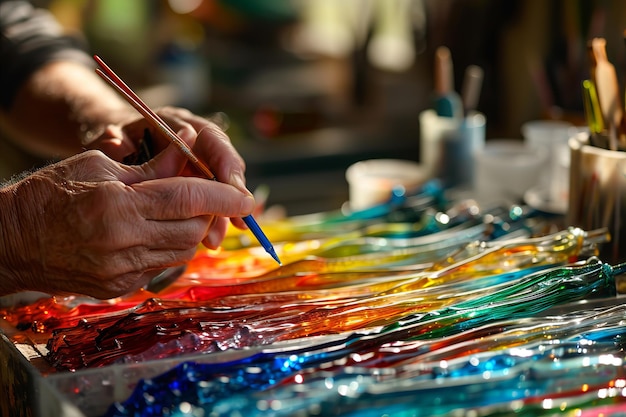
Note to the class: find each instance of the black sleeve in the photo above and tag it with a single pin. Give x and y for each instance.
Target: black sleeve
(30, 38)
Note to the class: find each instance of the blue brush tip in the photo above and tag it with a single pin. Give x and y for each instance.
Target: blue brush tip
(272, 252)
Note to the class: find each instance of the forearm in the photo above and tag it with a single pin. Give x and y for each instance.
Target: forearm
(61, 108)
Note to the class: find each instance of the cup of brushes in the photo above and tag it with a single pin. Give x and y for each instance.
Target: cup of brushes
(597, 177)
(452, 131)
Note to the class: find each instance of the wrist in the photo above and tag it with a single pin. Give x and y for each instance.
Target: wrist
(8, 219)
(18, 254)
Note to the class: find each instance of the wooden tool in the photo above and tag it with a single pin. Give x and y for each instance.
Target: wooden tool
(447, 100)
(608, 91)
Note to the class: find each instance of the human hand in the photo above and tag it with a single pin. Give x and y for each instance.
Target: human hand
(208, 141)
(93, 226)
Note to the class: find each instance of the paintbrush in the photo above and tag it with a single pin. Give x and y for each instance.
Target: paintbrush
(447, 101)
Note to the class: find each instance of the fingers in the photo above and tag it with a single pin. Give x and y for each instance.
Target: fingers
(154, 189)
(112, 142)
(121, 140)
(169, 163)
(182, 121)
(175, 235)
(216, 233)
(121, 275)
(208, 141)
(186, 197)
(213, 146)
(238, 223)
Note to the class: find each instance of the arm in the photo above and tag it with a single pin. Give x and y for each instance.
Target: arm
(51, 101)
(61, 109)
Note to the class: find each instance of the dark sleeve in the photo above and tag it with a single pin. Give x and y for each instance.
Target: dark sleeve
(30, 38)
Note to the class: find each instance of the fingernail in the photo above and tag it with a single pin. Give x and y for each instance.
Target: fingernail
(212, 240)
(247, 205)
(236, 179)
(188, 135)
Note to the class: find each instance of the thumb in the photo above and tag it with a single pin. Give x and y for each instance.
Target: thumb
(168, 163)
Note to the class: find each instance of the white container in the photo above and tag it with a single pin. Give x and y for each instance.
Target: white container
(371, 182)
(552, 136)
(447, 146)
(506, 169)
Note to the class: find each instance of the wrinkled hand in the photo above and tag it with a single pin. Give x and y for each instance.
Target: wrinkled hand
(93, 226)
(208, 141)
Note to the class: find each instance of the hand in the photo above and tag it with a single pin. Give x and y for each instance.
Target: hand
(208, 141)
(93, 226)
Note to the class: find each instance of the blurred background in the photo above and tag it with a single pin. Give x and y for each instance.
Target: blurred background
(309, 87)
